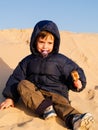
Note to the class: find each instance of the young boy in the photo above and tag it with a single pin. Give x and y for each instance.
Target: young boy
(44, 78)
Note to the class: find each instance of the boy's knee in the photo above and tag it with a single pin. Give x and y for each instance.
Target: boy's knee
(26, 85)
(21, 84)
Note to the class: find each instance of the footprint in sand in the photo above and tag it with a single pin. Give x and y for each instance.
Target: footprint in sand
(96, 87)
(91, 94)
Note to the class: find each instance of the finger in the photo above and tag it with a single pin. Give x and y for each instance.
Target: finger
(1, 105)
(12, 105)
(4, 106)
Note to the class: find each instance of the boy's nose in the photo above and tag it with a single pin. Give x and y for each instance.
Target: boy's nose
(45, 45)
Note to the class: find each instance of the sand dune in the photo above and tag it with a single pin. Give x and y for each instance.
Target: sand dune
(81, 47)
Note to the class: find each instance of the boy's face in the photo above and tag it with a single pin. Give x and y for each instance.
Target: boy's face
(45, 45)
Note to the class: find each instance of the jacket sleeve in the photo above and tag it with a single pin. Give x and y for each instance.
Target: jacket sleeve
(68, 68)
(10, 90)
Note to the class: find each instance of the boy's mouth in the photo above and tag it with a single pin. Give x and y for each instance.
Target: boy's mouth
(44, 53)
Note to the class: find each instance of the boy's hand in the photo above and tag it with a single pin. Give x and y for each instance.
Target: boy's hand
(6, 104)
(76, 81)
(78, 84)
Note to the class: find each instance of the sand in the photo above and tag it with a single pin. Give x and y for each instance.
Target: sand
(81, 47)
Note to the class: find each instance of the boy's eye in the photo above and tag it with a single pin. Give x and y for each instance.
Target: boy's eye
(41, 42)
(50, 42)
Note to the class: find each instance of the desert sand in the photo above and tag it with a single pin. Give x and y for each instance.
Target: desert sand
(81, 47)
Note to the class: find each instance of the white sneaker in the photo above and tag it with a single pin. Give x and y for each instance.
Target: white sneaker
(83, 121)
(49, 112)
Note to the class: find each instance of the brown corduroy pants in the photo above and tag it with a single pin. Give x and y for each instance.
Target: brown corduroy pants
(39, 100)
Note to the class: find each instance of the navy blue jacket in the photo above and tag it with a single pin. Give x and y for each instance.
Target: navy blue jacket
(52, 73)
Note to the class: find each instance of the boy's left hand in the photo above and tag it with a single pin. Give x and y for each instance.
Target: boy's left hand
(78, 84)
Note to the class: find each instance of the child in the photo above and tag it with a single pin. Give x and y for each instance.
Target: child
(44, 78)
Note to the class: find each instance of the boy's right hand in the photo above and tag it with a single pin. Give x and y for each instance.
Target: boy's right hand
(76, 81)
(7, 103)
